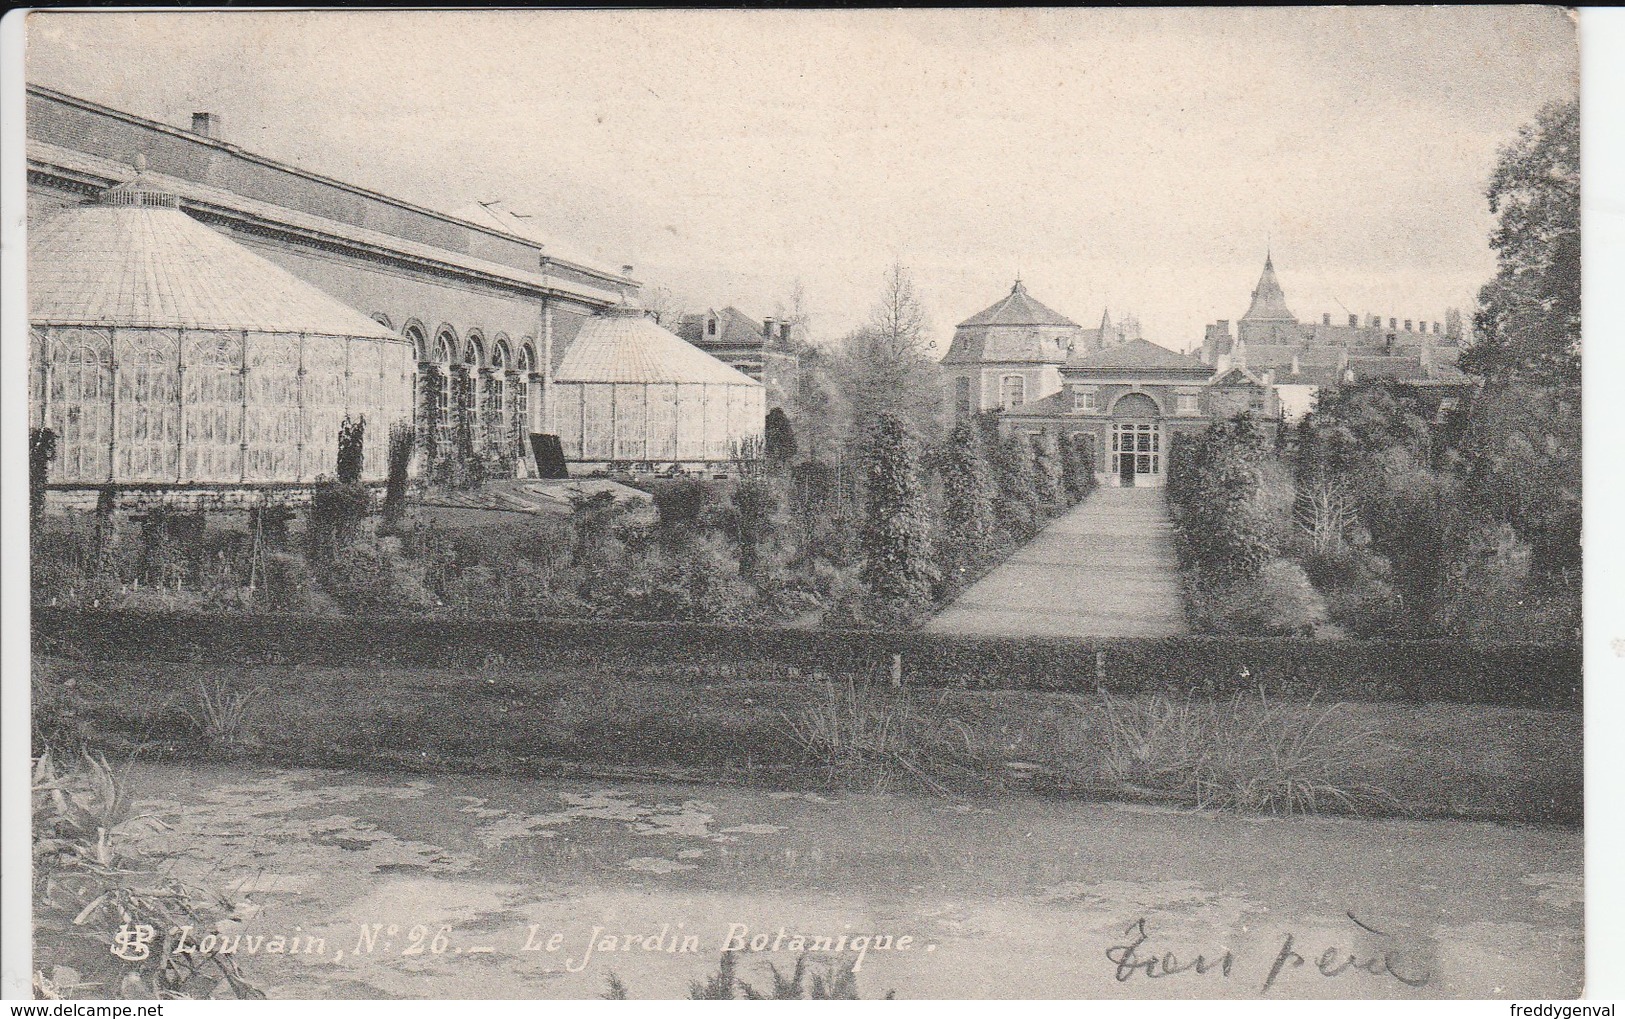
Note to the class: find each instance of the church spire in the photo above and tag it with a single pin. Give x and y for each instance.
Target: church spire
(1269, 301)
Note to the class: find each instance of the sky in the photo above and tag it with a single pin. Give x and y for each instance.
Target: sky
(1136, 160)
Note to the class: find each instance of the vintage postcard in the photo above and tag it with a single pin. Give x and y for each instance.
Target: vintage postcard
(1038, 504)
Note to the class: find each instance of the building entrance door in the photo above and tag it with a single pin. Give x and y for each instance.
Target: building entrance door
(1137, 445)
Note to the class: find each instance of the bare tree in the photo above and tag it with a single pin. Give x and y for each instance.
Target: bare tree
(667, 306)
(795, 314)
(1325, 512)
(898, 324)
(885, 366)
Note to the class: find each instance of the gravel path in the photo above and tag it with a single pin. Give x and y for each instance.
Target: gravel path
(1106, 568)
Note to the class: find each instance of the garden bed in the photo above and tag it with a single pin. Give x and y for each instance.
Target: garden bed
(1427, 759)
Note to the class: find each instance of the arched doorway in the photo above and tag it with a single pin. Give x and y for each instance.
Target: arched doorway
(1136, 441)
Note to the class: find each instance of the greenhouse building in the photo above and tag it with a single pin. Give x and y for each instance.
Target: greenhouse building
(174, 365)
(630, 395)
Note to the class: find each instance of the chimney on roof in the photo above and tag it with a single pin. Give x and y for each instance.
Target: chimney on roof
(1407, 325)
(1326, 319)
(1354, 321)
(206, 124)
(626, 270)
(767, 327)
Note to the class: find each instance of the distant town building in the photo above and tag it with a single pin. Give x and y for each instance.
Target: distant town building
(1305, 357)
(766, 350)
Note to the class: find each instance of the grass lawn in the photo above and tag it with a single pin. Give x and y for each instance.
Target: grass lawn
(1427, 759)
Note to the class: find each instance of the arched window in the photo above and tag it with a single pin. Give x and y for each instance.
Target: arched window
(445, 344)
(383, 320)
(413, 333)
(524, 369)
(468, 387)
(498, 416)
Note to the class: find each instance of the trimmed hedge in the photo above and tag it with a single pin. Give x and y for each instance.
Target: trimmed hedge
(1517, 674)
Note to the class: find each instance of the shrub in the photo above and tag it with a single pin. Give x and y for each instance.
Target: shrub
(678, 503)
(351, 449)
(754, 505)
(1077, 468)
(1016, 504)
(866, 736)
(968, 525)
(1046, 469)
(220, 715)
(1224, 513)
(1279, 601)
(87, 880)
(333, 523)
(41, 451)
(1260, 756)
(402, 440)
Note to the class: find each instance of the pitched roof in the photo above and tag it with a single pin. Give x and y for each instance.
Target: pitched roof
(1269, 301)
(734, 329)
(1139, 355)
(625, 345)
(1017, 309)
(137, 261)
(1236, 376)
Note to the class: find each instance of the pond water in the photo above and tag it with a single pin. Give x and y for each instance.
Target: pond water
(465, 887)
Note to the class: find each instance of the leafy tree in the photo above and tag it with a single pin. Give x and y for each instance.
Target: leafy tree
(1528, 321)
(897, 529)
(1520, 465)
(781, 437)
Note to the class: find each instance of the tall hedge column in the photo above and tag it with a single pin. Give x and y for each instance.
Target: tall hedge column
(896, 538)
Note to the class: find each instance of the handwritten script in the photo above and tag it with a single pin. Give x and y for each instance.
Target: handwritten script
(1382, 956)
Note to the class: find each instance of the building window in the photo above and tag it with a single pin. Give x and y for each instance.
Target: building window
(962, 403)
(710, 327)
(1084, 400)
(1256, 403)
(1187, 403)
(1012, 391)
